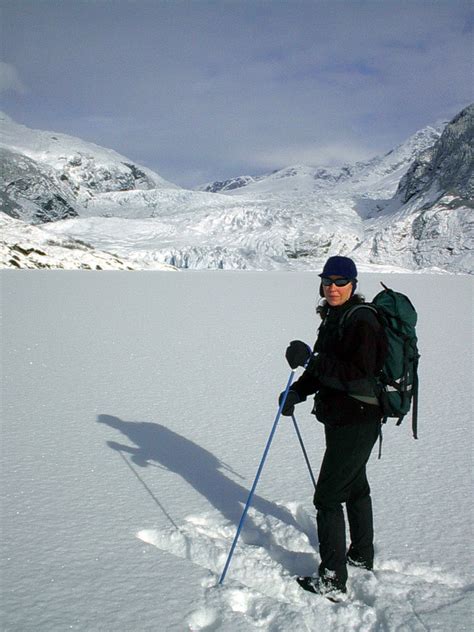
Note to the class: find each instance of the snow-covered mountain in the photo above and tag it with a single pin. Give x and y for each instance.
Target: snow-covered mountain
(48, 176)
(429, 221)
(376, 177)
(446, 168)
(390, 210)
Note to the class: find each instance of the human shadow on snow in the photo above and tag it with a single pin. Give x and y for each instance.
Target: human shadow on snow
(157, 445)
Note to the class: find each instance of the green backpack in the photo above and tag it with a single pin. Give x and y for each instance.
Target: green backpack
(397, 383)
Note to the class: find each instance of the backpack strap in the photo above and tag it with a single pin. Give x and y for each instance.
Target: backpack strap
(402, 386)
(414, 413)
(342, 322)
(414, 418)
(351, 311)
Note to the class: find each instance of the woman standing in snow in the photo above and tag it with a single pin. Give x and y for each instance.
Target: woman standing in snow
(340, 371)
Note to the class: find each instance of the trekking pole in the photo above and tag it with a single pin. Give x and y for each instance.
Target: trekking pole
(259, 471)
(305, 454)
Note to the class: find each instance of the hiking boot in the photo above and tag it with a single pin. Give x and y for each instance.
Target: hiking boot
(359, 562)
(319, 587)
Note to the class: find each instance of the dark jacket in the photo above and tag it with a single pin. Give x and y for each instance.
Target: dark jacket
(342, 372)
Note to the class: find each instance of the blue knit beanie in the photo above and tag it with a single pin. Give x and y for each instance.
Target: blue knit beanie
(340, 266)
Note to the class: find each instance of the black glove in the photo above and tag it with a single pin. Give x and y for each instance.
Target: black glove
(298, 353)
(289, 406)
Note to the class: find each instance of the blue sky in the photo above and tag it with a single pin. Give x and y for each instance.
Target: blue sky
(203, 90)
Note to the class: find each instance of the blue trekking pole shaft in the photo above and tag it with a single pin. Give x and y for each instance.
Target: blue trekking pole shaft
(259, 471)
(305, 454)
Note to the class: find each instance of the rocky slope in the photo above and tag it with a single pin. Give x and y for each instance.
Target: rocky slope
(446, 168)
(48, 176)
(430, 221)
(33, 191)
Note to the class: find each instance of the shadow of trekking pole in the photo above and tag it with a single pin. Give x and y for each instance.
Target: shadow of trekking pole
(147, 488)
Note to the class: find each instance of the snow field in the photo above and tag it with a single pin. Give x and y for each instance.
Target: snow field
(135, 410)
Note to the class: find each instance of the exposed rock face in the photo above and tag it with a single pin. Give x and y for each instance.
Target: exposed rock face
(33, 192)
(227, 185)
(448, 167)
(434, 226)
(87, 176)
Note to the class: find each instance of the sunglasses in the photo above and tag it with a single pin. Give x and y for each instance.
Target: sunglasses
(326, 281)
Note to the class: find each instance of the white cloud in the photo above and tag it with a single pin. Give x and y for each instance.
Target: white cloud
(10, 79)
(223, 88)
(327, 154)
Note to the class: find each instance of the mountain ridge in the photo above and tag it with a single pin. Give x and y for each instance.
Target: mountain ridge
(389, 209)
(75, 169)
(323, 177)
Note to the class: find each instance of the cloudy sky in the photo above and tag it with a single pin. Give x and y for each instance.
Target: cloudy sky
(201, 90)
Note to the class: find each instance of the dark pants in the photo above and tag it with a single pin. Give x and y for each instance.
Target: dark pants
(343, 479)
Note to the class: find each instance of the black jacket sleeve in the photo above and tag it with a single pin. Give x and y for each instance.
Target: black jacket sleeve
(306, 385)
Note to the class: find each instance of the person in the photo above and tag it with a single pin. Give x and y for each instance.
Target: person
(340, 371)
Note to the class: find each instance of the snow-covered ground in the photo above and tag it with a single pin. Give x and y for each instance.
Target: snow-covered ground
(135, 410)
(23, 246)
